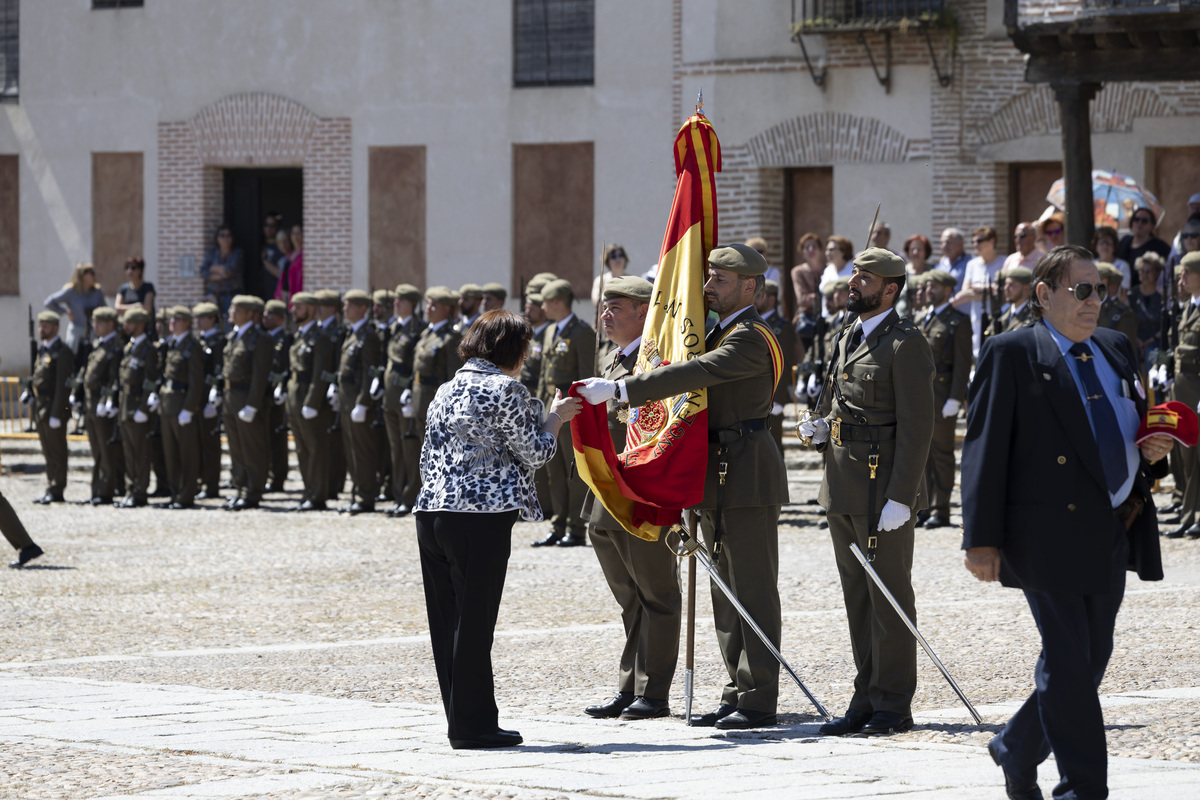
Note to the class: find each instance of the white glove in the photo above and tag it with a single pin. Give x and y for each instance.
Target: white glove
(308, 412)
(247, 414)
(210, 411)
(110, 408)
(813, 387)
(214, 397)
(406, 397)
(376, 388)
(406, 411)
(76, 403)
(358, 413)
(598, 390)
(139, 417)
(334, 403)
(185, 417)
(951, 408)
(280, 395)
(817, 429)
(776, 410)
(894, 515)
(152, 401)
(331, 392)
(26, 398)
(55, 423)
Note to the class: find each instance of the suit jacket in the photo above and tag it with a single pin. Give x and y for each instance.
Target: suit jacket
(1032, 480)
(1008, 321)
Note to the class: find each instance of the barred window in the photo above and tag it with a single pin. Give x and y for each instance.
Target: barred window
(116, 3)
(554, 42)
(10, 65)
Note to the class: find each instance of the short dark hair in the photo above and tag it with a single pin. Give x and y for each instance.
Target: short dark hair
(498, 336)
(1105, 232)
(900, 281)
(1051, 268)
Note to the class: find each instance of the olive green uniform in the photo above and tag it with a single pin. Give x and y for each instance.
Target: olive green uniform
(99, 382)
(247, 366)
(949, 335)
(1120, 317)
(326, 352)
(403, 445)
(567, 356)
(435, 360)
(880, 396)
(360, 356)
(1186, 389)
(277, 419)
(49, 387)
(1009, 321)
(643, 577)
(531, 373)
(213, 343)
(785, 334)
(306, 389)
(138, 379)
(738, 373)
(183, 389)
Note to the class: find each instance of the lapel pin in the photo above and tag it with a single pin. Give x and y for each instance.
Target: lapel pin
(1046, 375)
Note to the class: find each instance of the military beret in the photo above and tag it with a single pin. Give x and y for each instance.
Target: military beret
(534, 297)
(544, 277)
(1109, 272)
(442, 295)
(408, 292)
(1020, 274)
(163, 314)
(247, 301)
(182, 312)
(535, 285)
(304, 299)
(940, 276)
(277, 307)
(771, 287)
(496, 289)
(383, 297)
(104, 312)
(1178, 271)
(557, 290)
(206, 310)
(135, 315)
(738, 258)
(883, 263)
(470, 290)
(1191, 262)
(631, 286)
(328, 297)
(358, 297)
(47, 316)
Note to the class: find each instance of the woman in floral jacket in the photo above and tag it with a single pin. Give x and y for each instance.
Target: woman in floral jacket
(485, 435)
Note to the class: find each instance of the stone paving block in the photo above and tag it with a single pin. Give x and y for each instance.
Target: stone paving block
(239, 787)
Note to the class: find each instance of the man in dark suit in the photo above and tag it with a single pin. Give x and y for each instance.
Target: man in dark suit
(1056, 503)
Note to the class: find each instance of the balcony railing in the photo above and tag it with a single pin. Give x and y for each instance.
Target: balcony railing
(830, 16)
(1117, 7)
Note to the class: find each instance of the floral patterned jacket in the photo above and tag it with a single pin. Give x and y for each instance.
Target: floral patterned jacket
(483, 441)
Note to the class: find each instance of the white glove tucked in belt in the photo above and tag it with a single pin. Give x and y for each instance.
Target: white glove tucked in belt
(813, 387)
(376, 389)
(817, 429)
(894, 515)
(26, 398)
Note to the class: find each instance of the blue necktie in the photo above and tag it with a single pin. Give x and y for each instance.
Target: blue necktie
(1104, 419)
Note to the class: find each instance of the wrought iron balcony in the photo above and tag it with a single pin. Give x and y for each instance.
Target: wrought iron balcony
(1119, 7)
(832, 16)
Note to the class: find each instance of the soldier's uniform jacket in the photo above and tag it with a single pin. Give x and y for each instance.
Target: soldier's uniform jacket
(882, 390)
(401, 354)
(301, 365)
(785, 334)
(531, 369)
(1186, 388)
(593, 510)
(360, 356)
(247, 367)
(1010, 322)
(949, 337)
(740, 378)
(51, 379)
(435, 361)
(100, 376)
(326, 349)
(566, 357)
(138, 376)
(1120, 317)
(213, 347)
(280, 356)
(832, 326)
(183, 372)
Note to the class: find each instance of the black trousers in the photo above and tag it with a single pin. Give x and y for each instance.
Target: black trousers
(464, 560)
(1063, 713)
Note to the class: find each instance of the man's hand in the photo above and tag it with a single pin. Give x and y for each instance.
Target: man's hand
(280, 395)
(406, 397)
(152, 401)
(139, 417)
(247, 414)
(358, 413)
(813, 387)
(983, 563)
(376, 389)
(210, 411)
(894, 515)
(951, 408)
(185, 417)
(816, 429)
(1156, 447)
(598, 390)
(26, 398)
(308, 412)
(55, 423)
(214, 397)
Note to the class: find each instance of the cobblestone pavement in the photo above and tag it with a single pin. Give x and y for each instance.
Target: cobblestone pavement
(201, 653)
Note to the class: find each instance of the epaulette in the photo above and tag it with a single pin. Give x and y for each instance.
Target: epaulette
(906, 326)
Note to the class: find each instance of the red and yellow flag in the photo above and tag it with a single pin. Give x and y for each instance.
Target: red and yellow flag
(662, 469)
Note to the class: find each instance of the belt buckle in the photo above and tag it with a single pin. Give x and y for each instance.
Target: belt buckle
(835, 431)
(873, 463)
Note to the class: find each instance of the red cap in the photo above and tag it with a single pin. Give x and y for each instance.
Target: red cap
(1174, 419)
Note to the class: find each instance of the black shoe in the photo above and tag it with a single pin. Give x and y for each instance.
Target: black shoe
(161, 491)
(498, 739)
(1190, 531)
(1011, 788)
(551, 538)
(710, 719)
(100, 501)
(402, 510)
(48, 498)
(885, 722)
(276, 488)
(207, 495)
(228, 485)
(851, 723)
(647, 708)
(1171, 520)
(178, 506)
(361, 507)
(1193, 532)
(228, 504)
(823, 524)
(572, 540)
(1171, 509)
(922, 516)
(613, 708)
(937, 521)
(131, 501)
(25, 555)
(242, 504)
(309, 505)
(746, 718)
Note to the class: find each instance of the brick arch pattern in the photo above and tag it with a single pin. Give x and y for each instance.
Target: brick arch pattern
(251, 130)
(1035, 112)
(833, 137)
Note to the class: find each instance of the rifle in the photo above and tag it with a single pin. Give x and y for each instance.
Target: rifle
(76, 384)
(985, 312)
(160, 348)
(820, 328)
(33, 354)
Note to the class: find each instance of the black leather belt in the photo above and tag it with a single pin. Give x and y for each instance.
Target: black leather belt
(241, 387)
(863, 433)
(737, 430)
(174, 386)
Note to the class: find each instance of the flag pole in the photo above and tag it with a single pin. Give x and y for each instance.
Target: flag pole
(599, 303)
(690, 658)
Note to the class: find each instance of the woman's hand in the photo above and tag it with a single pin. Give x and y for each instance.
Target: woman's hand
(565, 407)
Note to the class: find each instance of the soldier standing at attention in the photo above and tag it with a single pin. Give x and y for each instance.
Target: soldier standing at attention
(303, 400)
(948, 332)
(248, 359)
(275, 317)
(99, 381)
(643, 576)
(1186, 389)
(494, 295)
(568, 355)
(51, 409)
(1113, 313)
(325, 365)
(435, 360)
(1016, 281)
(767, 303)
(875, 426)
(138, 380)
(470, 298)
(359, 357)
(812, 369)
(404, 446)
(384, 315)
(531, 367)
(212, 345)
(183, 395)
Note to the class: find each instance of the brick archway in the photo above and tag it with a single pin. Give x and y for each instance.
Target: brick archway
(1035, 112)
(259, 130)
(833, 137)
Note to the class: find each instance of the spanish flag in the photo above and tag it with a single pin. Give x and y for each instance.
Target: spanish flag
(662, 469)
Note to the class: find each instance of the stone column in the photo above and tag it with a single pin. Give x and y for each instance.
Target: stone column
(1074, 103)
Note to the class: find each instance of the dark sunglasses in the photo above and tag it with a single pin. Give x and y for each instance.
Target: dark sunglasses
(1191, 235)
(617, 254)
(1053, 231)
(1083, 291)
(981, 241)
(1146, 220)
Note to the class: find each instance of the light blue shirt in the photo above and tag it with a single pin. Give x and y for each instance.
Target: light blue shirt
(1124, 407)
